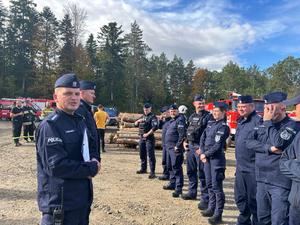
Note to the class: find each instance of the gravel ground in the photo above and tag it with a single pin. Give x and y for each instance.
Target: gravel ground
(120, 195)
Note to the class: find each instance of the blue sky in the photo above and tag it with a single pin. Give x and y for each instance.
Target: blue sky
(210, 32)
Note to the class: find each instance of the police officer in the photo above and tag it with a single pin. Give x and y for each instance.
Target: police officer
(269, 140)
(163, 125)
(87, 97)
(290, 166)
(174, 138)
(197, 123)
(245, 184)
(28, 121)
(148, 124)
(64, 168)
(17, 119)
(211, 151)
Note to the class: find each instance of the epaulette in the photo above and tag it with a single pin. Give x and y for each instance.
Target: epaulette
(52, 118)
(224, 124)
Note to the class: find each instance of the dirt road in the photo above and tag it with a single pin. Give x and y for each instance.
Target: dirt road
(121, 196)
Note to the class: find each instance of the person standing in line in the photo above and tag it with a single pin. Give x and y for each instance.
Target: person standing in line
(16, 115)
(212, 154)
(290, 167)
(147, 124)
(245, 183)
(87, 98)
(65, 162)
(101, 117)
(28, 121)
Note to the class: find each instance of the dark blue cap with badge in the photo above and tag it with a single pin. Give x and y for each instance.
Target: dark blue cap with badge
(87, 85)
(164, 109)
(275, 97)
(292, 101)
(147, 105)
(173, 107)
(198, 98)
(221, 105)
(244, 99)
(67, 80)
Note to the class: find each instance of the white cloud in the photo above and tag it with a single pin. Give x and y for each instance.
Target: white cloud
(204, 32)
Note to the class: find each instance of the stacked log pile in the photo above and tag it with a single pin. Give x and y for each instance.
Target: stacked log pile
(128, 134)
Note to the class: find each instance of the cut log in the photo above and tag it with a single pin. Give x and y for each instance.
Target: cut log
(126, 125)
(129, 117)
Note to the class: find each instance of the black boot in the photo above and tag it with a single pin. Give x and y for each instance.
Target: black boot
(164, 177)
(188, 197)
(176, 193)
(207, 213)
(141, 171)
(202, 205)
(215, 219)
(152, 176)
(169, 187)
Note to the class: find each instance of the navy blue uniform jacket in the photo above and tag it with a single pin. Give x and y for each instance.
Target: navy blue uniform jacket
(213, 141)
(85, 110)
(290, 167)
(60, 163)
(245, 157)
(175, 133)
(261, 140)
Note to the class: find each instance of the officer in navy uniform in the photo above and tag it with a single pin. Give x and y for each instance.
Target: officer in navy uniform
(211, 151)
(16, 114)
(87, 97)
(163, 125)
(174, 138)
(290, 166)
(64, 167)
(196, 125)
(28, 121)
(245, 183)
(269, 140)
(147, 124)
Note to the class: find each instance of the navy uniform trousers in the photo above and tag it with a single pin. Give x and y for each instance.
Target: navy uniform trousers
(165, 162)
(175, 168)
(147, 147)
(195, 170)
(74, 217)
(214, 180)
(275, 198)
(245, 197)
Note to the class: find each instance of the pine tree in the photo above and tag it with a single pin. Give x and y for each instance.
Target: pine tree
(21, 33)
(67, 58)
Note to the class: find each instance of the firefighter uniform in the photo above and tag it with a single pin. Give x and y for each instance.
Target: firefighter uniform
(163, 125)
(28, 122)
(290, 167)
(174, 138)
(213, 145)
(245, 183)
(197, 124)
(272, 187)
(147, 145)
(17, 122)
(63, 177)
(85, 110)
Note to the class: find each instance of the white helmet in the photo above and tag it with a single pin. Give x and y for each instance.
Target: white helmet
(182, 109)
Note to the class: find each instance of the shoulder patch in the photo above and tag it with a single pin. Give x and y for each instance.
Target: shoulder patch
(53, 140)
(291, 130)
(285, 135)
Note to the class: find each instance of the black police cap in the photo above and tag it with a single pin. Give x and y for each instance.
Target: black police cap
(67, 80)
(245, 99)
(292, 101)
(87, 85)
(198, 98)
(221, 105)
(275, 97)
(164, 109)
(147, 105)
(173, 107)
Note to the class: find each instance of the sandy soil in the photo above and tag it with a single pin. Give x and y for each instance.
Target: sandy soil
(121, 196)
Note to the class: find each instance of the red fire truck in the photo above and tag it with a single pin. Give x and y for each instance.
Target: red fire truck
(38, 105)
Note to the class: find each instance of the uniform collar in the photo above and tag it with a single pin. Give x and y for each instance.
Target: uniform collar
(242, 119)
(63, 113)
(84, 103)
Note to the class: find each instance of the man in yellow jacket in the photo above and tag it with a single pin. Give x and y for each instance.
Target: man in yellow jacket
(101, 118)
